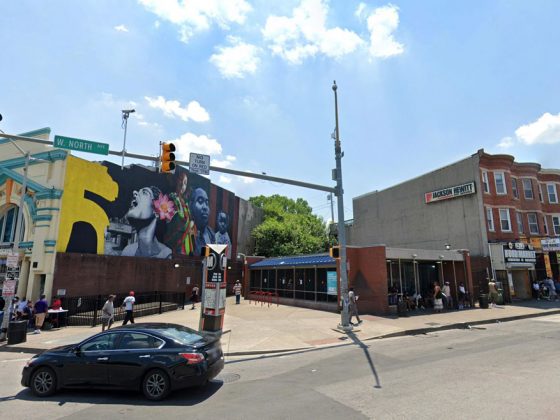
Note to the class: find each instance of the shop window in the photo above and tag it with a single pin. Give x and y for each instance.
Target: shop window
(552, 196)
(541, 199)
(519, 217)
(527, 189)
(505, 222)
(309, 284)
(8, 221)
(533, 223)
(485, 182)
(514, 188)
(500, 181)
(545, 225)
(556, 225)
(490, 219)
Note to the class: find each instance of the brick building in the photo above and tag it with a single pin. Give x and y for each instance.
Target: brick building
(505, 213)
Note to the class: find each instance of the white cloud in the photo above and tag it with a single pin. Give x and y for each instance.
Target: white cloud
(192, 16)
(190, 142)
(236, 61)
(546, 130)
(142, 121)
(359, 13)
(225, 179)
(193, 111)
(505, 143)
(382, 22)
(157, 24)
(221, 163)
(121, 28)
(305, 34)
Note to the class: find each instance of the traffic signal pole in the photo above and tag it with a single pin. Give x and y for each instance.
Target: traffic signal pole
(344, 319)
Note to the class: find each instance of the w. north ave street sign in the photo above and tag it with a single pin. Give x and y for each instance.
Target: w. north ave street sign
(81, 145)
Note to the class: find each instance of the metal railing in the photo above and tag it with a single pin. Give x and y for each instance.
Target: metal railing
(86, 310)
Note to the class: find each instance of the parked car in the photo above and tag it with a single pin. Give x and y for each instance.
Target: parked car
(153, 357)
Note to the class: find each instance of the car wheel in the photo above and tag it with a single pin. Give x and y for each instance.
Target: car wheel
(43, 382)
(156, 385)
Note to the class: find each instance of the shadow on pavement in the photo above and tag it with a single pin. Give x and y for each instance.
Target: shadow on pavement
(182, 397)
(364, 347)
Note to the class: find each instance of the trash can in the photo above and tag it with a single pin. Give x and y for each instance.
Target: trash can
(483, 301)
(500, 299)
(17, 332)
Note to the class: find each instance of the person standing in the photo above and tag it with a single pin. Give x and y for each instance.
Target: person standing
(108, 313)
(128, 304)
(353, 306)
(194, 296)
(462, 295)
(448, 298)
(41, 308)
(438, 298)
(237, 290)
(536, 290)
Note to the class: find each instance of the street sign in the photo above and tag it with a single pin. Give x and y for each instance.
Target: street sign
(81, 145)
(12, 260)
(199, 164)
(9, 288)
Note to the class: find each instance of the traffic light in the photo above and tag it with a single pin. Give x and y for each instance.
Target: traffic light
(334, 251)
(167, 157)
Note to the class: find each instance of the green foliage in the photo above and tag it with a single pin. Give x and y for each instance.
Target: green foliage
(289, 227)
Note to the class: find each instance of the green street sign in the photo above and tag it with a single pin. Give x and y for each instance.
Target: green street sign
(81, 145)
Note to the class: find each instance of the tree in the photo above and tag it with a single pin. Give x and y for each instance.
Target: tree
(289, 227)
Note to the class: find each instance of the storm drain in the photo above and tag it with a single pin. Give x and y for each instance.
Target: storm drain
(227, 378)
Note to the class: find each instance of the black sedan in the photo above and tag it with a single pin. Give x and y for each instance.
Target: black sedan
(155, 358)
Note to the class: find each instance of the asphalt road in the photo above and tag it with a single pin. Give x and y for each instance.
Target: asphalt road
(506, 370)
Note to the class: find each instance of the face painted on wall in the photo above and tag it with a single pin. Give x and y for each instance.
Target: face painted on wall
(200, 208)
(141, 206)
(222, 222)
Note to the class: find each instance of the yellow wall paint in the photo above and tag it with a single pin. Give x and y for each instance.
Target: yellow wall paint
(84, 176)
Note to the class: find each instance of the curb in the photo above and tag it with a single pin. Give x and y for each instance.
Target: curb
(416, 331)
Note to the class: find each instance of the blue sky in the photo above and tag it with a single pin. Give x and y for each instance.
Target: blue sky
(421, 83)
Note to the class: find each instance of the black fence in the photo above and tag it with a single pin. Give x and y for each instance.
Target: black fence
(86, 310)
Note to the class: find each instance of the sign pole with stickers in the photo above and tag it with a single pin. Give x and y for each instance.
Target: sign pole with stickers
(213, 299)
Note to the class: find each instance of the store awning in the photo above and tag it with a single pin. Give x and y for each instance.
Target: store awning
(301, 260)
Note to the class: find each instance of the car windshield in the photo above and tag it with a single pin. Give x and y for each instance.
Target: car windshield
(181, 334)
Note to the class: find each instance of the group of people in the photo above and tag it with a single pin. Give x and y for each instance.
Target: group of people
(546, 289)
(35, 313)
(438, 297)
(108, 310)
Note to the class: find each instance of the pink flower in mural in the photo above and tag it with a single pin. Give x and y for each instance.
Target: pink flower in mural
(165, 208)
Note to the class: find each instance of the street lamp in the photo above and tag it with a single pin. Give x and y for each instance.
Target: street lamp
(344, 318)
(125, 114)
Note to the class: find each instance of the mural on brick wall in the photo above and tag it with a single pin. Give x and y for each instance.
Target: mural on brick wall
(139, 212)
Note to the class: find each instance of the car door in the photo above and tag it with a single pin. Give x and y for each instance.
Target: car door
(87, 364)
(133, 355)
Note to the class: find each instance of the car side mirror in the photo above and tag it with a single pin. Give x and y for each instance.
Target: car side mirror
(77, 351)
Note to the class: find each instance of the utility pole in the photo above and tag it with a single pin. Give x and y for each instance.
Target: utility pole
(344, 319)
(125, 114)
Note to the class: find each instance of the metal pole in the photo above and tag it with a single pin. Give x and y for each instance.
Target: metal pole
(332, 207)
(125, 122)
(344, 318)
(19, 219)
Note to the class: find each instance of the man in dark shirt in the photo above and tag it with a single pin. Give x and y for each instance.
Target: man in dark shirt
(41, 309)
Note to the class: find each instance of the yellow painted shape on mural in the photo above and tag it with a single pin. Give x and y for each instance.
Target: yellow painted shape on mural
(82, 176)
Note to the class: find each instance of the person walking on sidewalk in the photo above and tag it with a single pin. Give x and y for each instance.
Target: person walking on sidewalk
(353, 306)
(41, 308)
(493, 292)
(237, 290)
(194, 295)
(536, 289)
(108, 313)
(128, 305)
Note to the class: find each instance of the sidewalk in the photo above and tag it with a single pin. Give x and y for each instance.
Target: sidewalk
(255, 329)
